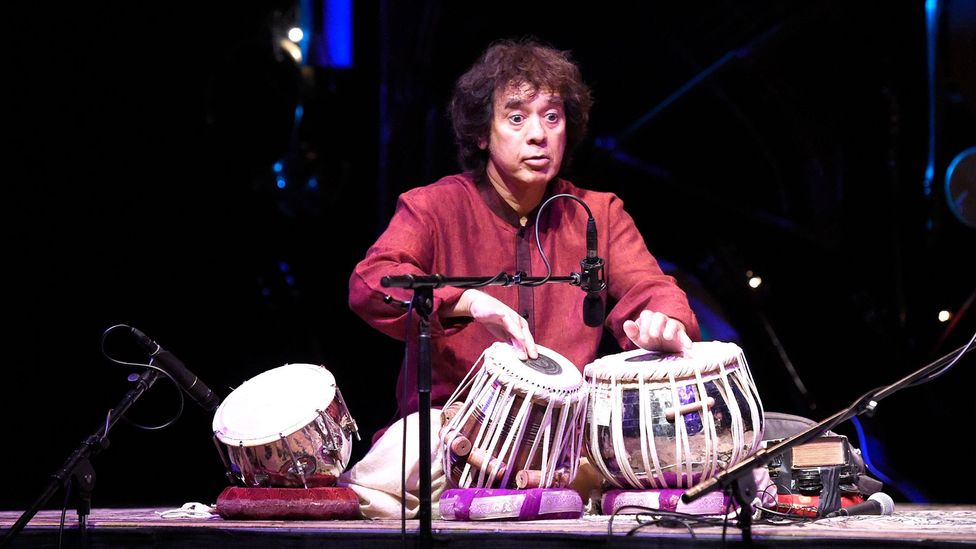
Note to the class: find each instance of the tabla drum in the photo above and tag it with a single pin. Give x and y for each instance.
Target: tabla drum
(660, 420)
(521, 425)
(287, 427)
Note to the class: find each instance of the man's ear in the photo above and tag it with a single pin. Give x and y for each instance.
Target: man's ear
(482, 143)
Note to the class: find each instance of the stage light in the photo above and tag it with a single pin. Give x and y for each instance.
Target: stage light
(753, 280)
(295, 34)
(944, 316)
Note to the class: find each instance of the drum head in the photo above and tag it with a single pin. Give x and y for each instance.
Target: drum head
(704, 356)
(273, 404)
(551, 371)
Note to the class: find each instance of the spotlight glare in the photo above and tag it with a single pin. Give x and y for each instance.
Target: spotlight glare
(755, 282)
(944, 316)
(291, 49)
(295, 34)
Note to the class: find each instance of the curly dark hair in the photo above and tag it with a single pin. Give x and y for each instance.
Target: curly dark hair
(511, 62)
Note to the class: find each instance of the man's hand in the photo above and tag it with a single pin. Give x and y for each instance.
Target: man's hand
(503, 322)
(655, 331)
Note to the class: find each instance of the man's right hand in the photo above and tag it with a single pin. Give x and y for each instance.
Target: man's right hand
(503, 322)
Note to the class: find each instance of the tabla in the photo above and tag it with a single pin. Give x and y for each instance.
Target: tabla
(287, 427)
(521, 425)
(660, 420)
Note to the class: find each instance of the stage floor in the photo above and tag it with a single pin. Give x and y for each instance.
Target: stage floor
(928, 525)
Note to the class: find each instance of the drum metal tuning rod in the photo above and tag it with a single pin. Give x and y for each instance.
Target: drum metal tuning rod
(228, 471)
(297, 466)
(346, 422)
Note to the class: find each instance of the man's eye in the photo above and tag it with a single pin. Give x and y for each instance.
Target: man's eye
(517, 118)
(552, 117)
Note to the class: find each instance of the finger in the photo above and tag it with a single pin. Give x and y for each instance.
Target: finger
(685, 340)
(519, 346)
(644, 323)
(513, 324)
(635, 330)
(530, 347)
(657, 323)
(670, 331)
(647, 334)
(632, 330)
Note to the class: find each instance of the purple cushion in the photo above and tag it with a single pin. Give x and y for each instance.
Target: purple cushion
(507, 504)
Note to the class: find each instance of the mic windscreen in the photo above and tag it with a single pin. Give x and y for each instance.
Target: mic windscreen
(879, 503)
(592, 310)
(887, 504)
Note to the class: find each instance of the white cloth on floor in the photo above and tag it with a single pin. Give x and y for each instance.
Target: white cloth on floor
(376, 478)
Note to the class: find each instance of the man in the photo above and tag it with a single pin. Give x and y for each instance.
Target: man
(518, 113)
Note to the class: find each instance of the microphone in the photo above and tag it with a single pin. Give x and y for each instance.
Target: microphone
(879, 503)
(166, 361)
(592, 279)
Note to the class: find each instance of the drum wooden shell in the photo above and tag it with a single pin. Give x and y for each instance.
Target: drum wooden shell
(660, 420)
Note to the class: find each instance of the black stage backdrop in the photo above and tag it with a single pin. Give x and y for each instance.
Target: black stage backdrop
(786, 139)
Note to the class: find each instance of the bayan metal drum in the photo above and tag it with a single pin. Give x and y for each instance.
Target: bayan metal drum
(287, 428)
(659, 420)
(521, 425)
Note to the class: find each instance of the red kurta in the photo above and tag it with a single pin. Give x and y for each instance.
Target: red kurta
(456, 227)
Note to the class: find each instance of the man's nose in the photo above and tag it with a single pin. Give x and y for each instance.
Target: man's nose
(536, 132)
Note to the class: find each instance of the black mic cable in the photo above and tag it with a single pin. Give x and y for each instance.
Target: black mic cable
(591, 278)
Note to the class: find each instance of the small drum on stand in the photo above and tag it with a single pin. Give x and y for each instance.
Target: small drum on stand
(286, 428)
(659, 420)
(521, 425)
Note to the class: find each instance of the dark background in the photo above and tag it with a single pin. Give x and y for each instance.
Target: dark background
(140, 190)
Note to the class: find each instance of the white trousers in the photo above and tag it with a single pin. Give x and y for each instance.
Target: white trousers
(376, 478)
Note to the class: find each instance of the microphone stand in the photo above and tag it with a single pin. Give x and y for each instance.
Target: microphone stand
(739, 475)
(78, 468)
(423, 302)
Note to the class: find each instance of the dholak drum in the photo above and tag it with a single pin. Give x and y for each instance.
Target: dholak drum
(287, 427)
(660, 420)
(521, 425)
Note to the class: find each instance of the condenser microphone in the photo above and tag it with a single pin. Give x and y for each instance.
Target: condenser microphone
(166, 361)
(592, 279)
(593, 310)
(879, 503)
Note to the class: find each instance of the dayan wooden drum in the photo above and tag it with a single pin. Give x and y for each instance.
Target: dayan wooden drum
(659, 420)
(287, 427)
(521, 425)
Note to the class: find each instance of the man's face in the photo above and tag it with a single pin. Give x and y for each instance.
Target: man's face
(527, 138)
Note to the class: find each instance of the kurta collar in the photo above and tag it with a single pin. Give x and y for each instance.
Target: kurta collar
(499, 207)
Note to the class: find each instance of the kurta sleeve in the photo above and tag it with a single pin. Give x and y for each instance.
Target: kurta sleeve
(636, 282)
(407, 246)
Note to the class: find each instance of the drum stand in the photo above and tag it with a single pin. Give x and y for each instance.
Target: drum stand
(423, 302)
(739, 476)
(78, 470)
